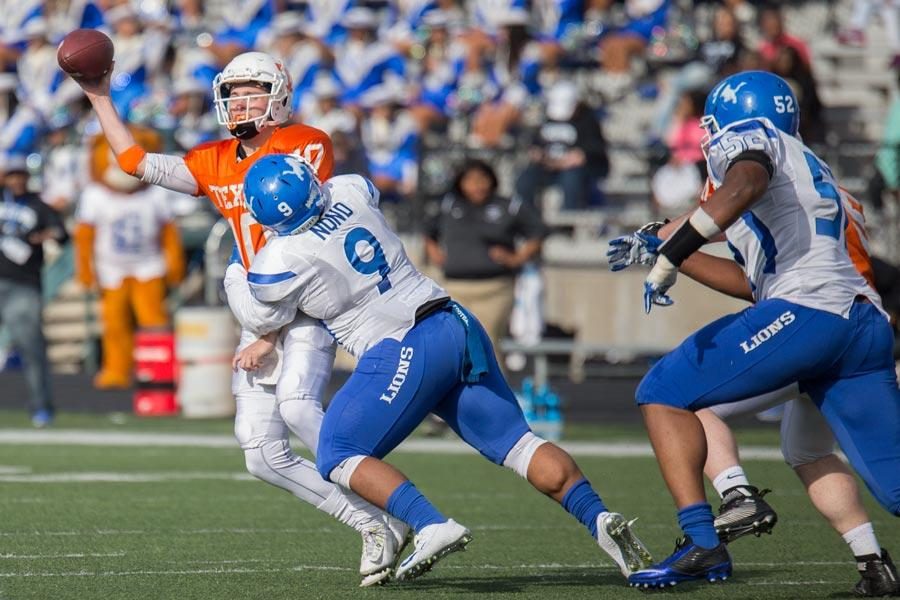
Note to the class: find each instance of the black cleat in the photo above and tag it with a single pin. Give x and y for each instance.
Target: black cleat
(744, 511)
(879, 576)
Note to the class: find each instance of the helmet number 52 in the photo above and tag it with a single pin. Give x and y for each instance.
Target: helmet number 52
(374, 262)
(784, 104)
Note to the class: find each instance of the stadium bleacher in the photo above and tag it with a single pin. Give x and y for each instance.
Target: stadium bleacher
(855, 86)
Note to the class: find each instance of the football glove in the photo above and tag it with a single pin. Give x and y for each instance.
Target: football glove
(641, 247)
(661, 277)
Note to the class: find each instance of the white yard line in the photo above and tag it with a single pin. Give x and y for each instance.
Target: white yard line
(48, 556)
(133, 532)
(418, 446)
(13, 470)
(112, 477)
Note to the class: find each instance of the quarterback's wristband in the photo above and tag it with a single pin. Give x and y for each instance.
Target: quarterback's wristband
(131, 158)
(689, 238)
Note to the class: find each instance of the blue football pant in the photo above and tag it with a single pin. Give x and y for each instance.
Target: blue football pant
(845, 365)
(385, 398)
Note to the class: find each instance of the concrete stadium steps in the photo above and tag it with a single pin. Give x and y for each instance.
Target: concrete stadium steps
(856, 123)
(66, 357)
(72, 331)
(855, 84)
(70, 324)
(63, 310)
(562, 249)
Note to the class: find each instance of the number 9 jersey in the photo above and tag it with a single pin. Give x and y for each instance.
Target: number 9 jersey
(349, 270)
(791, 242)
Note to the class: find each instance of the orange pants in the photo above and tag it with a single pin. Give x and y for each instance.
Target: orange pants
(141, 303)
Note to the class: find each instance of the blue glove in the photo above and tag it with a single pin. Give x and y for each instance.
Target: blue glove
(637, 248)
(661, 277)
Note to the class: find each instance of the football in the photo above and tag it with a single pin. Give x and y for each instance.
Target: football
(85, 54)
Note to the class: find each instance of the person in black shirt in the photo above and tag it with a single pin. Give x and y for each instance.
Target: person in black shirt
(568, 151)
(481, 241)
(26, 222)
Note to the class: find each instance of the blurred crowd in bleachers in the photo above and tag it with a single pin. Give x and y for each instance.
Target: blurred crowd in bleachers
(393, 81)
(586, 109)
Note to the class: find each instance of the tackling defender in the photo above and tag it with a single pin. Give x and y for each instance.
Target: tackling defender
(336, 259)
(253, 101)
(815, 320)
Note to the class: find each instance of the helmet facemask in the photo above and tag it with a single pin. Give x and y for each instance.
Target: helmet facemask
(224, 102)
(709, 124)
(257, 69)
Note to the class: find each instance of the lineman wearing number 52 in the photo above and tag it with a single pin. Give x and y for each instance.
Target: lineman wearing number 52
(814, 320)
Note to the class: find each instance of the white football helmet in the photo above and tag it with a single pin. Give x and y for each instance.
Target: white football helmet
(253, 67)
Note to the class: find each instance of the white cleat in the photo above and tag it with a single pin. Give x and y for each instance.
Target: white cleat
(433, 543)
(382, 545)
(616, 538)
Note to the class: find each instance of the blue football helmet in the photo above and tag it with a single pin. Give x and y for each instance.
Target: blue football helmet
(283, 194)
(752, 94)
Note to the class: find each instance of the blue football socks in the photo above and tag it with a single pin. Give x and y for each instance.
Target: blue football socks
(696, 521)
(409, 505)
(583, 503)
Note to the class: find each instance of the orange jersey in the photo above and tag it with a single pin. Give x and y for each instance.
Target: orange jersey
(854, 232)
(857, 238)
(220, 175)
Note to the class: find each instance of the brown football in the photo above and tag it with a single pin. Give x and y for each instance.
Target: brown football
(85, 54)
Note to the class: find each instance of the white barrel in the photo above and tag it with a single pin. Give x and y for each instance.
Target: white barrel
(205, 341)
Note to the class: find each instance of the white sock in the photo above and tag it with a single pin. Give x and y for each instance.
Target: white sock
(350, 509)
(729, 478)
(862, 540)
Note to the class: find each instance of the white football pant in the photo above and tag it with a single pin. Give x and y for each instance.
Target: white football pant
(266, 412)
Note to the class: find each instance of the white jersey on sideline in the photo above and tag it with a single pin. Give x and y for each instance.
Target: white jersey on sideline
(128, 232)
(791, 241)
(349, 270)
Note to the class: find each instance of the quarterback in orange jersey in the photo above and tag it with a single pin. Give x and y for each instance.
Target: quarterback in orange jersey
(252, 98)
(219, 172)
(807, 444)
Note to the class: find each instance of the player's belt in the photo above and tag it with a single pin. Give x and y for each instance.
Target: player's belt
(431, 307)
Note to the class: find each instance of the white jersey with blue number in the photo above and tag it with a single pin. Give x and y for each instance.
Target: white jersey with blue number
(349, 270)
(791, 241)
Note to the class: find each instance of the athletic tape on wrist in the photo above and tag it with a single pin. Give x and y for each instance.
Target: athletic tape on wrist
(704, 224)
(131, 158)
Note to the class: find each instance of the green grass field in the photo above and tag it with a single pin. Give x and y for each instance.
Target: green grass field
(87, 522)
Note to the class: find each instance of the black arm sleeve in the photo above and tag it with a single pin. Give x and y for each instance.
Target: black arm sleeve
(685, 241)
(757, 156)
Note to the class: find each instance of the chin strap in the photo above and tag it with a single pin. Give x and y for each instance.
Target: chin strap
(244, 131)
